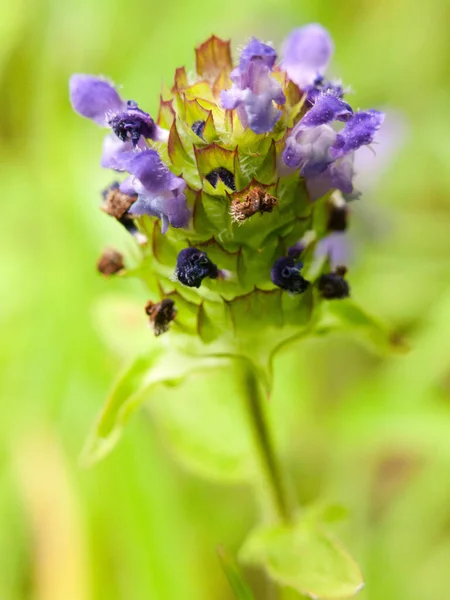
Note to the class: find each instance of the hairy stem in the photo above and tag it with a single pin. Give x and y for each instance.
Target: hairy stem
(265, 447)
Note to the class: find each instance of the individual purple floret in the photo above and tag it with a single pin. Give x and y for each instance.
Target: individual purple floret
(254, 90)
(193, 266)
(160, 192)
(285, 274)
(335, 248)
(97, 99)
(324, 155)
(307, 52)
(257, 50)
(133, 123)
(94, 98)
(359, 131)
(309, 145)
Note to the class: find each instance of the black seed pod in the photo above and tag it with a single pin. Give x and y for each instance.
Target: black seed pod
(161, 314)
(193, 266)
(224, 175)
(286, 275)
(333, 286)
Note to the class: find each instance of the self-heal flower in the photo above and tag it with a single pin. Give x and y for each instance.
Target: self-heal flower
(254, 90)
(309, 146)
(160, 193)
(97, 99)
(307, 52)
(325, 155)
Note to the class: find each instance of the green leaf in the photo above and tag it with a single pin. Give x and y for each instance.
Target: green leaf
(132, 388)
(305, 557)
(238, 585)
(204, 424)
(346, 315)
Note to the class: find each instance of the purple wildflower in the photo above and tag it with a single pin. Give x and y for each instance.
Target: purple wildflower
(324, 155)
(254, 91)
(97, 99)
(307, 52)
(160, 192)
(310, 143)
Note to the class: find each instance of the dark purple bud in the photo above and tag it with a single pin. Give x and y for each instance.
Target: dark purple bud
(132, 124)
(224, 175)
(198, 127)
(193, 266)
(286, 275)
(337, 218)
(333, 286)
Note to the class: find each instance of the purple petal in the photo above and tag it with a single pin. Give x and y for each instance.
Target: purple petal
(338, 175)
(94, 97)
(257, 50)
(342, 172)
(254, 96)
(230, 99)
(335, 247)
(369, 165)
(155, 177)
(132, 123)
(160, 192)
(358, 131)
(307, 52)
(115, 152)
(326, 109)
(309, 149)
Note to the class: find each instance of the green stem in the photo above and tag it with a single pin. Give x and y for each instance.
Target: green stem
(265, 446)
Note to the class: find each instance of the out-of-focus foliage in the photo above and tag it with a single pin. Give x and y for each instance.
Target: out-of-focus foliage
(368, 432)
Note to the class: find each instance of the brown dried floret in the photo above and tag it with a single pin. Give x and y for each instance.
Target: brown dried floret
(115, 203)
(257, 200)
(110, 262)
(161, 314)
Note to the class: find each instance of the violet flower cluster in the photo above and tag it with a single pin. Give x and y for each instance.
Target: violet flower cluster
(237, 170)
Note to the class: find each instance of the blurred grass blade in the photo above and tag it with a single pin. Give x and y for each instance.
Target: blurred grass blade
(238, 585)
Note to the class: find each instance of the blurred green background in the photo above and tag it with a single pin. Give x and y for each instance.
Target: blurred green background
(367, 431)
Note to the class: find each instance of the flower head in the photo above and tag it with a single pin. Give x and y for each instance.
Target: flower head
(231, 189)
